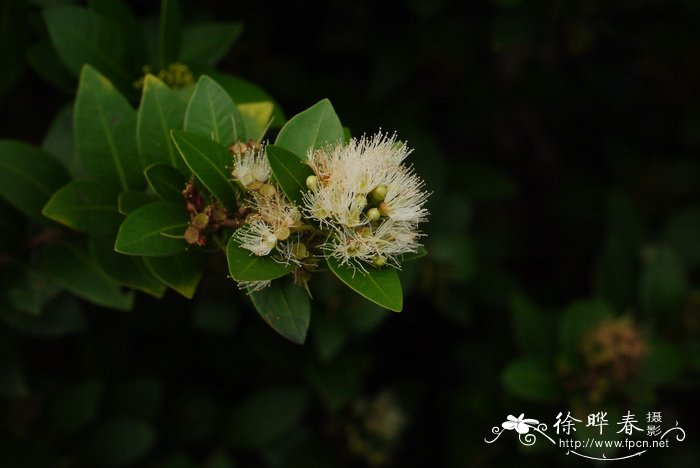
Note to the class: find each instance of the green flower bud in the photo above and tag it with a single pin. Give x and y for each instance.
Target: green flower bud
(373, 214)
(311, 182)
(379, 261)
(200, 221)
(379, 193)
(267, 190)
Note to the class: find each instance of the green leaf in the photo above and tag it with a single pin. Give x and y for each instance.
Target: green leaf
(210, 162)
(128, 270)
(246, 266)
(180, 272)
(285, 308)
(267, 415)
(119, 12)
(82, 36)
(663, 285)
(257, 117)
(131, 200)
(167, 182)
(290, 172)
(85, 206)
(105, 128)
(207, 43)
(118, 442)
(169, 32)
(315, 127)
(161, 110)
(531, 379)
(59, 142)
(381, 286)
(71, 266)
(243, 91)
(28, 177)
(579, 318)
(147, 230)
(61, 316)
(213, 114)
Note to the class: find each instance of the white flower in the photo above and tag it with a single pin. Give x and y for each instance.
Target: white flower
(370, 201)
(253, 286)
(257, 236)
(251, 167)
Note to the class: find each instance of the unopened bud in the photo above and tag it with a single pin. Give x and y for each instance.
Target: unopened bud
(255, 185)
(312, 182)
(379, 261)
(282, 233)
(191, 235)
(299, 251)
(267, 190)
(373, 214)
(379, 193)
(384, 208)
(238, 148)
(200, 221)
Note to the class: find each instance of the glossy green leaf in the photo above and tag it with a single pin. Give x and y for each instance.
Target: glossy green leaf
(289, 171)
(119, 12)
(71, 266)
(210, 162)
(118, 442)
(167, 182)
(313, 128)
(207, 43)
(82, 36)
(531, 379)
(59, 142)
(267, 415)
(286, 308)
(243, 91)
(105, 133)
(245, 266)
(28, 176)
(131, 200)
(161, 110)
(180, 272)
(257, 117)
(381, 286)
(169, 32)
(579, 318)
(213, 114)
(128, 270)
(85, 206)
(148, 230)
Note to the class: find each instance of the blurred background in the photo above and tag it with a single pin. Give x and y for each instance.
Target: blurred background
(560, 141)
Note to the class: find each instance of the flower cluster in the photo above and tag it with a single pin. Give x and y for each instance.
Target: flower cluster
(362, 207)
(368, 199)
